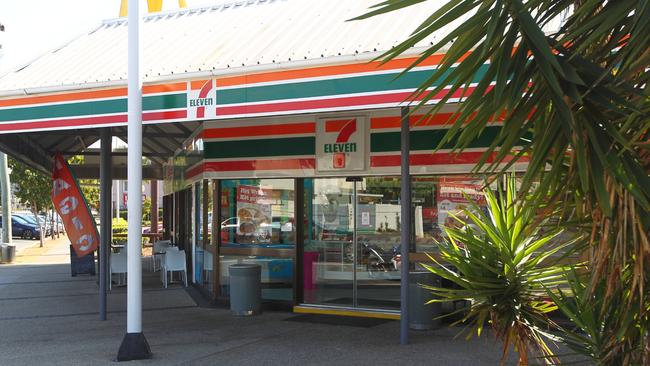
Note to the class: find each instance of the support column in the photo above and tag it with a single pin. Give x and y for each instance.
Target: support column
(134, 345)
(405, 201)
(6, 199)
(154, 206)
(105, 190)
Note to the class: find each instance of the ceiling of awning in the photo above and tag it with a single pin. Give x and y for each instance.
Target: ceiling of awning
(37, 149)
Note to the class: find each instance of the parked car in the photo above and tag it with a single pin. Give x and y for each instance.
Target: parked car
(42, 223)
(23, 228)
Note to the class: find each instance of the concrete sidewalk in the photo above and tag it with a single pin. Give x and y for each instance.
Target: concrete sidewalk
(50, 318)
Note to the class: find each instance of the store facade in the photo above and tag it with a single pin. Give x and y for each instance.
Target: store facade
(289, 154)
(311, 192)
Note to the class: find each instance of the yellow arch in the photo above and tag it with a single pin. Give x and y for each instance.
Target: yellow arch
(152, 5)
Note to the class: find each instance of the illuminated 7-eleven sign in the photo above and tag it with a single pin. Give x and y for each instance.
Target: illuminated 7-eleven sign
(341, 144)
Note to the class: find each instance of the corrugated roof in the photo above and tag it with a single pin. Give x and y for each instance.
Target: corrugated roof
(234, 35)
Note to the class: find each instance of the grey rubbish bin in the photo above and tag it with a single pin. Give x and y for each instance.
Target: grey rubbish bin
(421, 314)
(8, 253)
(245, 289)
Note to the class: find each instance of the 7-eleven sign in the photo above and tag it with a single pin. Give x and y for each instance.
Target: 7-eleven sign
(341, 144)
(201, 100)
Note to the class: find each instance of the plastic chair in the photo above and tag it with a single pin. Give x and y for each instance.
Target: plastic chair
(174, 262)
(159, 249)
(118, 266)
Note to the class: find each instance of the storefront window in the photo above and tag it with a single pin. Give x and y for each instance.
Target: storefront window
(198, 229)
(209, 242)
(436, 199)
(258, 226)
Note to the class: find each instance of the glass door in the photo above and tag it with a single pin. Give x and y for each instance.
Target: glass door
(352, 236)
(329, 255)
(378, 228)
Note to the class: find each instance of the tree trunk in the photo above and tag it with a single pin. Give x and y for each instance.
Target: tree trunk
(52, 223)
(38, 222)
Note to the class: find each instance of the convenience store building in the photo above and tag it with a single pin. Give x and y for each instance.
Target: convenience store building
(276, 135)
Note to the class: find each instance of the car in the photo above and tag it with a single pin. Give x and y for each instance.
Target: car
(23, 228)
(42, 223)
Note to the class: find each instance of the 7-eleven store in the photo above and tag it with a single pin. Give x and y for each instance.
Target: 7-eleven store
(278, 146)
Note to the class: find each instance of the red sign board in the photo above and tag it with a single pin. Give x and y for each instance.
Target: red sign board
(71, 206)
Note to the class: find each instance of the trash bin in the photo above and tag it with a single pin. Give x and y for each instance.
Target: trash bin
(421, 314)
(245, 289)
(3, 252)
(8, 253)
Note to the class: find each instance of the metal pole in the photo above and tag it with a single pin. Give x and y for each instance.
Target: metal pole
(154, 206)
(134, 345)
(405, 198)
(117, 200)
(6, 199)
(355, 242)
(105, 190)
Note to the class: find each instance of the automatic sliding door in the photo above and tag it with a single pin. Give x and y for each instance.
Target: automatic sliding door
(350, 256)
(378, 241)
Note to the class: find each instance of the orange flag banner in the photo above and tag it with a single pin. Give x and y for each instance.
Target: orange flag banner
(71, 205)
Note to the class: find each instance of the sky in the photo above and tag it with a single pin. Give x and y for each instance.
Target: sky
(34, 27)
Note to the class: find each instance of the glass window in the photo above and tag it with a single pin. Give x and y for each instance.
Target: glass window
(258, 226)
(258, 213)
(435, 200)
(198, 229)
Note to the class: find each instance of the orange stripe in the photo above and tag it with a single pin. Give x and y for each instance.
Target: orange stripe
(108, 93)
(328, 71)
(95, 94)
(440, 119)
(248, 131)
(163, 88)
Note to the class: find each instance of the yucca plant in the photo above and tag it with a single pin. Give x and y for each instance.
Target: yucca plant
(503, 262)
(569, 78)
(601, 325)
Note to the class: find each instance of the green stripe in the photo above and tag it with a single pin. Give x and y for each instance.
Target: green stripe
(168, 101)
(426, 140)
(260, 148)
(54, 111)
(351, 85)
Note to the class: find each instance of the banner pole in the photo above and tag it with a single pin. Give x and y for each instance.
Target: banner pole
(134, 345)
(105, 209)
(405, 201)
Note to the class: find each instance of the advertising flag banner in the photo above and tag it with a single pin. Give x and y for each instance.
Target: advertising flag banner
(71, 205)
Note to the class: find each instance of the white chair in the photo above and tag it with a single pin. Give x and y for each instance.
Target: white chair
(118, 266)
(174, 262)
(158, 251)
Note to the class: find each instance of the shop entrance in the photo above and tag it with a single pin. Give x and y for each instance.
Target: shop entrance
(351, 254)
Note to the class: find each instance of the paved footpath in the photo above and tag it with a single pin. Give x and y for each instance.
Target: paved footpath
(48, 317)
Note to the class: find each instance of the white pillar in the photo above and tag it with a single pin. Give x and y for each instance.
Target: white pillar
(134, 345)
(134, 174)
